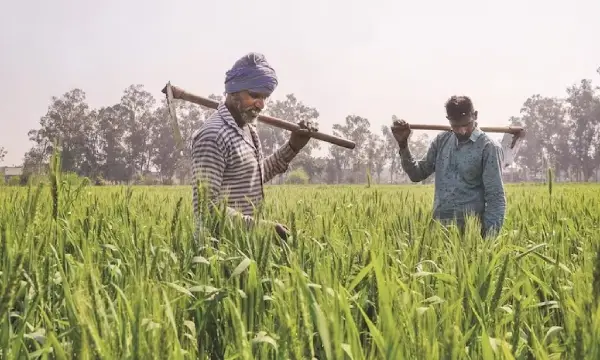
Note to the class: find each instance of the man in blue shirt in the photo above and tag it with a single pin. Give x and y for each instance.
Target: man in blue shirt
(467, 165)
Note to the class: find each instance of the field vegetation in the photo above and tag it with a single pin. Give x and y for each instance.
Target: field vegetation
(115, 273)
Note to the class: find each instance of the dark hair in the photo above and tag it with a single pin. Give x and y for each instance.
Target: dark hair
(459, 106)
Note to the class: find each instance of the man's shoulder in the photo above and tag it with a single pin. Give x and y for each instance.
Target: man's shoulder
(488, 141)
(212, 129)
(443, 135)
(441, 138)
(491, 147)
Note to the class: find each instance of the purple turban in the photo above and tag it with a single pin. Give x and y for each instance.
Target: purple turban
(251, 72)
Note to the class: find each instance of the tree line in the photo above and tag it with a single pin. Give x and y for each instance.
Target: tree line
(564, 133)
(132, 141)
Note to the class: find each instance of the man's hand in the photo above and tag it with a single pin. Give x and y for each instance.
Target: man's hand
(280, 229)
(401, 131)
(300, 138)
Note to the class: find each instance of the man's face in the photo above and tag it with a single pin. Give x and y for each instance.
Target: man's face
(463, 127)
(249, 105)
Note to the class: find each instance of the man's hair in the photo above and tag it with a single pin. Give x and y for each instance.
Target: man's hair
(459, 106)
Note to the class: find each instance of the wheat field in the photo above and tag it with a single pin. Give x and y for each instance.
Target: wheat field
(114, 273)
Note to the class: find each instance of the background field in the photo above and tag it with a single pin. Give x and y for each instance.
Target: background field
(113, 273)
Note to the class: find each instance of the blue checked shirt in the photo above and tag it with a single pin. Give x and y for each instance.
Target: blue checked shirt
(468, 178)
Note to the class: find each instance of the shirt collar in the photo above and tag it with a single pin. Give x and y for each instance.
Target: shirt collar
(226, 116)
(229, 120)
(474, 135)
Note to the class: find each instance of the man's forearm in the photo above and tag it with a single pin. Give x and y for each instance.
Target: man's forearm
(278, 162)
(413, 168)
(216, 207)
(495, 199)
(493, 217)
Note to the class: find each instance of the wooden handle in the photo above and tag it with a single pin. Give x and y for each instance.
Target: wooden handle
(181, 94)
(491, 129)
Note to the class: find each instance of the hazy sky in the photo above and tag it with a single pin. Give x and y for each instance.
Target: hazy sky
(370, 58)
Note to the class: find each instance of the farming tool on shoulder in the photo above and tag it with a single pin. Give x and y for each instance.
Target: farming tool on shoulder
(174, 92)
(511, 141)
(168, 91)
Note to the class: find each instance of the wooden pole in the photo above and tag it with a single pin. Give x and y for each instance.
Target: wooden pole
(179, 93)
(490, 129)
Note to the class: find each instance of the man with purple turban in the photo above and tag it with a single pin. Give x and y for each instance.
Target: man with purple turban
(226, 151)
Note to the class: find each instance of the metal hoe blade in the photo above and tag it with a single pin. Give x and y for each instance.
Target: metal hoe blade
(174, 122)
(511, 144)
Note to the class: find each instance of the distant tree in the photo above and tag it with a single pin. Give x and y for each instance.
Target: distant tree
(350, 166)
(298, 176)
(138, 105)
(376, 157)
(390, 149)
(562, 133)
(112, 149)
(584, 115)
(68, 124)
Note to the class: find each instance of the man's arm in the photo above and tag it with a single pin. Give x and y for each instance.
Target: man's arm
(495, 201)
(209, 160)
(419, 170)
(278, 162)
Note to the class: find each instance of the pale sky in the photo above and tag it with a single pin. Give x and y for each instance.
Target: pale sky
(370, 58)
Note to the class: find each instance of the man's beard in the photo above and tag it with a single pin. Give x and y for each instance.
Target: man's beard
(461, 137)
(247, 115)
(250, 115)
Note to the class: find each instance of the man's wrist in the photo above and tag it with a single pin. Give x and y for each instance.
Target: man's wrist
(403, 149)
(294, 149)
(287, 152)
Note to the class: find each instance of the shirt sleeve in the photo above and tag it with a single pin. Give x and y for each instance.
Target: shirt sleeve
(278, 162)
(209, 160)
(419, 170)
(495, 200)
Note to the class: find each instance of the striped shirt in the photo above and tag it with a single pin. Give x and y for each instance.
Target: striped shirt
(468, 178)
(230, 163)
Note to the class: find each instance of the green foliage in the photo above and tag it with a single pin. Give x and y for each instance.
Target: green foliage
(14, 181)
(113, 272)
(298, 176)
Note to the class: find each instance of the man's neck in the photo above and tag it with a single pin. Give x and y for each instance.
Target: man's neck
(235, 114)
